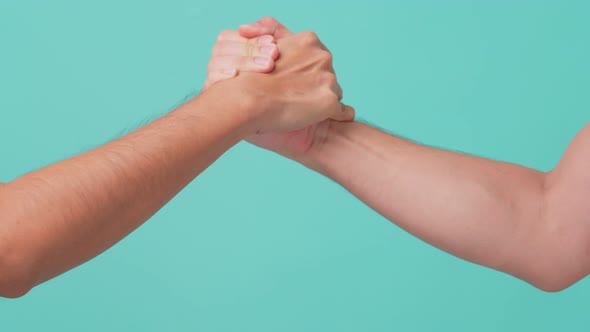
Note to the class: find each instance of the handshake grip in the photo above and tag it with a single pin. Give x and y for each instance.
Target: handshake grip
(301, 90)
(289, 76)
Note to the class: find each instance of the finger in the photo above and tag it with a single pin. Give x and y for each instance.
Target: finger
(232, 35)
(256, 64)
(270, 50)
(343, 112)
(264, 26)
(254, 47)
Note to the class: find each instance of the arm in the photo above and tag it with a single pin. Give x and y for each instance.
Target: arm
(58, 217)
(533, 225)
(53, 219)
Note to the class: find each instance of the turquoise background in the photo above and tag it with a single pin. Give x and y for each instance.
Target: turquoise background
(259, 243)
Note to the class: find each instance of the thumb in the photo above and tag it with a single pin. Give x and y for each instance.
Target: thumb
(342, 112)
(264, 26)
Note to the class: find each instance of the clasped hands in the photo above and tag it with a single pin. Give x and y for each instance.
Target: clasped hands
(294, 93)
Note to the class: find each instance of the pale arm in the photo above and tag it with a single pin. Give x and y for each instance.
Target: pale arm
(511, 218)
(58, 217)
(533, 225)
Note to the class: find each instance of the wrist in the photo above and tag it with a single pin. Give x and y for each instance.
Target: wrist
(253, 100)
(327, 143)
(235, 100)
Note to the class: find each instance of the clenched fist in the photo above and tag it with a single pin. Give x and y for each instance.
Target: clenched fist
(240, 53)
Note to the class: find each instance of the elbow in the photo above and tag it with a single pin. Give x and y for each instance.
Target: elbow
(13, 291)
(564, 264)
(559, 252)
(16, 277)
(556, 281)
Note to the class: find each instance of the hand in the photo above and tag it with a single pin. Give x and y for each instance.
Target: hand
(232, 54)
(301, 91)
(293, 144)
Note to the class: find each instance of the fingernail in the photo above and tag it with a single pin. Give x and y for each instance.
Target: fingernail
(265, 39)
(264, 62)
(268, 49)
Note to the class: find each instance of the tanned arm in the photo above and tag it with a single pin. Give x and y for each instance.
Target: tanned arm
(58, 217)
(55, 218)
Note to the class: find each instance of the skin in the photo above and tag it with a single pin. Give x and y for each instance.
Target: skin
(530, 224)
(60, 216)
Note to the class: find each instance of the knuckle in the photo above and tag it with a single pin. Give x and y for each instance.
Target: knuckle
(331, 80)
(309, 37)
(223, 35)
(328, 79)
(326, 56)
(268, 20)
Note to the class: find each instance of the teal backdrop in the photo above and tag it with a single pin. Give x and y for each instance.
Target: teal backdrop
(260, 243)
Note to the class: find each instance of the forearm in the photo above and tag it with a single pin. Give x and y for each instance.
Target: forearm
(60, 216)
(484, 211)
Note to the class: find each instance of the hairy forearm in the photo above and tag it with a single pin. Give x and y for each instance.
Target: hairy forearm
(62, 215)
(488, 212)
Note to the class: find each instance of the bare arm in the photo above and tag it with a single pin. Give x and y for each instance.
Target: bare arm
(56, 218)
(60, 216)
(533, 225)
